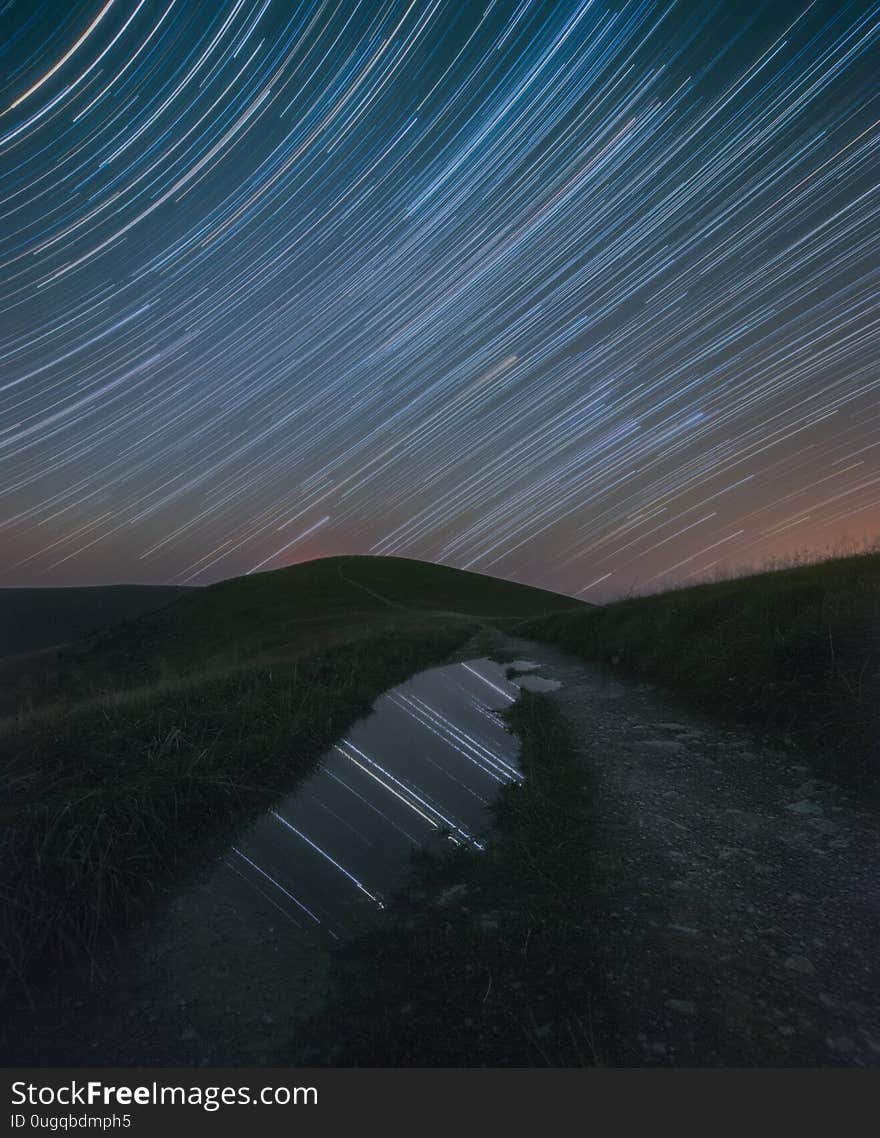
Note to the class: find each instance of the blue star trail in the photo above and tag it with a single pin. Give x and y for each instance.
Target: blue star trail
(582, 294)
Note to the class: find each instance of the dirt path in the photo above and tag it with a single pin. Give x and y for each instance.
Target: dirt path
(737, 894)
(213, 978)
(736, 904)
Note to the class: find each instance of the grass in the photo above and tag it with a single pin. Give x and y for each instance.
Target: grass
(31, 619)
(483, 960)
(105, 806)
(261, 612)
(148, 744)
(125, 755)
(265, 616)
(793, 652)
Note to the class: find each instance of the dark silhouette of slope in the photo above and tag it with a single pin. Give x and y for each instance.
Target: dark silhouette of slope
(155, 738)
(277, 615)
(38, 618)
(794, 651)
(297, 607)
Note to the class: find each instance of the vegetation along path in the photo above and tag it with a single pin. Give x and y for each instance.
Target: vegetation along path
(720, 906)
(736, 896)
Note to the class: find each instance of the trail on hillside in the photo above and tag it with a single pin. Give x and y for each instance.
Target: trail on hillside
(380, 597)
(735, 898)
(737, 895)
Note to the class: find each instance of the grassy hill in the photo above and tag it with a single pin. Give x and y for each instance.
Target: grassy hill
(38, 618)
(187, 720)
(248, 615)
(793, 651)
(263, 617)
(184, 721)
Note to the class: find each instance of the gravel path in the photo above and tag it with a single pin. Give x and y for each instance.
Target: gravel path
(736, 901)
(737, 894)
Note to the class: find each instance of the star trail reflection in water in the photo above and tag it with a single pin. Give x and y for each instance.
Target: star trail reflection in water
(422, 768)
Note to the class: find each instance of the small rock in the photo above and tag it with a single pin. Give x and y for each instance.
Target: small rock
(872, 1043)
(800, 964)
(787, 1030)
(453, 893)
(804, 806)
(664, 746)
(685, 930)
(685, 1007)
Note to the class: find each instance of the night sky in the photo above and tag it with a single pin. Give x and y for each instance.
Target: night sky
(582, 294)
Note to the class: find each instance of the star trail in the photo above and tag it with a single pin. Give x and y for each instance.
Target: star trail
(582, 294)
(423, 767)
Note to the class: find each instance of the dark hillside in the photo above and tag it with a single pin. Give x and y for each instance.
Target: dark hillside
(277, 615)
(792, 651)
(267, 607)
(181, 721)
(37, 618)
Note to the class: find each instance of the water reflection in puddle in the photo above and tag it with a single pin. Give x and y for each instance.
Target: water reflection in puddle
(423, 767)
(530, 682)
(537, 683)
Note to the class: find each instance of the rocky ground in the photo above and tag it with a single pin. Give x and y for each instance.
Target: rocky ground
(737, 894)
(735, 899)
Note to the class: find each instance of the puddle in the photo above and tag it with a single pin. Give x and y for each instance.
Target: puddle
(422, 768)
(240, 956)
(537, 683)
(530, 682)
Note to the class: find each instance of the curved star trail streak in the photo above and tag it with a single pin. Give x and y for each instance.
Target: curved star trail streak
(577, 293)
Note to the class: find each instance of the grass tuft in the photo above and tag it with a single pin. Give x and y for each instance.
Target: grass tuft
(483, 958)
(104, 807)
(794, 652)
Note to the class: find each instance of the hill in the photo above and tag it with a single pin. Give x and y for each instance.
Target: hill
(159, 736)
(267, 611)
(181, 724)
(793, 651)
(39, 618)
(264, 616)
